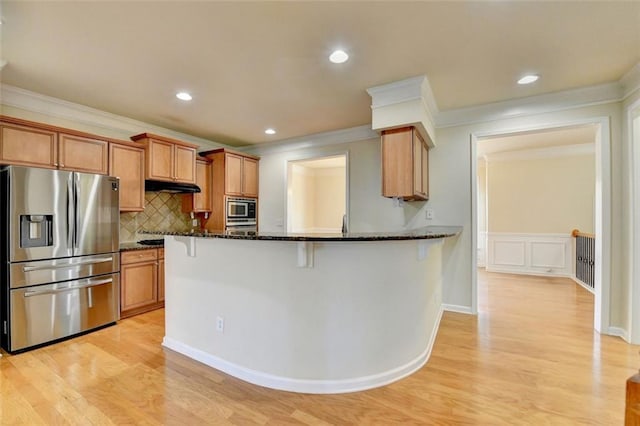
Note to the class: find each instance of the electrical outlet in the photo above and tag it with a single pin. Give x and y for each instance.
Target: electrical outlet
(220, 324)
(429, 213)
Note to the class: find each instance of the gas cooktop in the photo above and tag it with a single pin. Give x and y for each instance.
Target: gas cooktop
(157, 242)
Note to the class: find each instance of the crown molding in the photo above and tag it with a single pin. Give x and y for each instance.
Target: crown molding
(54, 107)
(540, 153)
(551, 102)
(334, 137)
(401, 91)
(631, 81)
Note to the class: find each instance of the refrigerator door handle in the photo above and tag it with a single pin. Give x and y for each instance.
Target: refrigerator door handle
(67, 265)
(70, 212)
(76, 222)
(60, 290)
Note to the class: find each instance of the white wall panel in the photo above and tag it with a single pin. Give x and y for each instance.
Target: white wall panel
(530, 254)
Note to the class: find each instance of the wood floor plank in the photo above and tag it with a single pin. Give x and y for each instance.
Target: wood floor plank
(529, 357)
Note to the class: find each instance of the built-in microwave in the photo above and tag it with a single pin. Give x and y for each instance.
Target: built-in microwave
(241, 211)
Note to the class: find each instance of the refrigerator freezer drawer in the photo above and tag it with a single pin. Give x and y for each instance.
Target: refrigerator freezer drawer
(51, 271)
(45, 313)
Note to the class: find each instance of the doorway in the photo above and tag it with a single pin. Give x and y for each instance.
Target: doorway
(317, 194)
(602, 211)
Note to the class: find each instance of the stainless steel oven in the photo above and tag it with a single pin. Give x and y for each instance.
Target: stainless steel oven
(241, 212)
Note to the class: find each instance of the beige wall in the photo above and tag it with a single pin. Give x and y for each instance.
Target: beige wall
(301, 199)
(330, 187)
(545, 195)
(316, 198)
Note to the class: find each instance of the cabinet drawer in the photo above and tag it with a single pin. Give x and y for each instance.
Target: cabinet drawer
(135, 256)
(161, 253)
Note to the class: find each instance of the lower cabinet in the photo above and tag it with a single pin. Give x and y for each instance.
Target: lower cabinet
(141, 281)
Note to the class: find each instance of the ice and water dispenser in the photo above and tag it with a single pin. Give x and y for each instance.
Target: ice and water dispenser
(36, 230)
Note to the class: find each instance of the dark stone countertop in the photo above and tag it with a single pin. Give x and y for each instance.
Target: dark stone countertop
(135, 246)
(428, 232)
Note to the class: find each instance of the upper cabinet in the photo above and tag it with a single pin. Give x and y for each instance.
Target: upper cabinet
(168, 159)
(83, 154)
(235, 173)
(200, 202)
(32, 144)
(405, 164)
(241, 175)
(126, 162)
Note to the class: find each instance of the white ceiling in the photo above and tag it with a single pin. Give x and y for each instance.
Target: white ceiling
(253, 65)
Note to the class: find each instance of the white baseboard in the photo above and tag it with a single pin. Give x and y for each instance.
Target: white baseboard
(581, 284)
(307, 385)
(530, 254)
(620, 332)
(457, 308)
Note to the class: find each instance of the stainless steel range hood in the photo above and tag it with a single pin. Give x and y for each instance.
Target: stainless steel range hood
(172, 187)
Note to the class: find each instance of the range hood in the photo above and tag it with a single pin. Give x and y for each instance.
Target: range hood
(172, 187)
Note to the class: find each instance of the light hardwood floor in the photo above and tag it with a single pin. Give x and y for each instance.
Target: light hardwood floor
(529, 357)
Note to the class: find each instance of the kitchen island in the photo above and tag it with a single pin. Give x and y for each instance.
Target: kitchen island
(315, 313)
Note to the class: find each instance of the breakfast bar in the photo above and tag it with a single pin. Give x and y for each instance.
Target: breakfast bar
(313, 313)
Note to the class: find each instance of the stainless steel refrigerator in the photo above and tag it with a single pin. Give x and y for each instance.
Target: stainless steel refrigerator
(59, 246)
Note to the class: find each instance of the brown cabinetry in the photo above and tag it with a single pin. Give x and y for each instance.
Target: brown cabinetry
(126, 161)
(27, 143)
(405, 164)
(168, 159)
(141, 288)
(234, 174)
(200, 202)
(83, 154)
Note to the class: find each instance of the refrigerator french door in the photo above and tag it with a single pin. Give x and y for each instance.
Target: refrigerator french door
(58, 253)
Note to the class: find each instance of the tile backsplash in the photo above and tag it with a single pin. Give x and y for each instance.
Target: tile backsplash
(162, 212)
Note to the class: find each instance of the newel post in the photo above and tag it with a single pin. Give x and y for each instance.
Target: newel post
(632, 403)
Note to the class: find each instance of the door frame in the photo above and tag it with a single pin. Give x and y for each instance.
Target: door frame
(633, 113)
(602, 214)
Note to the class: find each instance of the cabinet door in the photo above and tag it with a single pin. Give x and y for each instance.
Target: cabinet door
(249, 177)
(184, 164)
(202, 201)
(83, 154)
(28, 146)
(138, 285)
(233, 174)
(160, 160)
(127, 163)
(160, 280)
(417, 164)
(397, 163)
(425, 171)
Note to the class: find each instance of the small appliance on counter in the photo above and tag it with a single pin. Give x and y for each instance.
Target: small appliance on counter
(59, 259)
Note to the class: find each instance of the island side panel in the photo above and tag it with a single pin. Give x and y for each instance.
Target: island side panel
(363, 309)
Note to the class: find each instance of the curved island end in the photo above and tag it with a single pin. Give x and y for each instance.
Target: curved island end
(325, 313)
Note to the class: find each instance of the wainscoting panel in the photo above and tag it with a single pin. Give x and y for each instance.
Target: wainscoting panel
(508, 253)
(530, 254)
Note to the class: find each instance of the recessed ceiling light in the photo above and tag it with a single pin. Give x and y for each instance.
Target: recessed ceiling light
(270, 131)
(338, 57)
(184, 96)
(528, 79)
